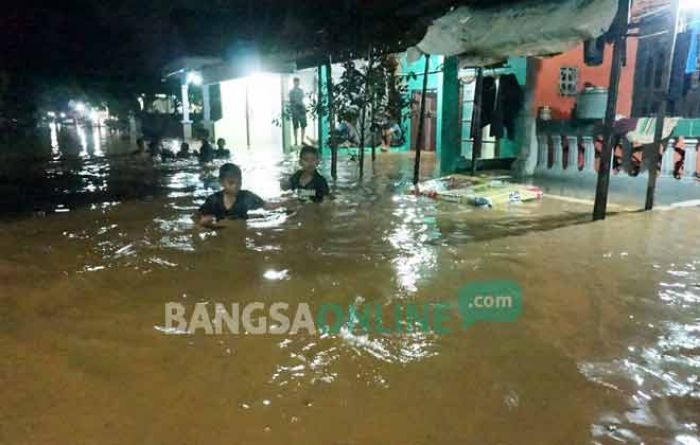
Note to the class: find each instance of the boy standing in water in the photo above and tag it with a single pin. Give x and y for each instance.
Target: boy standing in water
(308, 182)
(298, 109)
(231, 202)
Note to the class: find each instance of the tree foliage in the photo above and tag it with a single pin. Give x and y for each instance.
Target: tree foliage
(374, 85)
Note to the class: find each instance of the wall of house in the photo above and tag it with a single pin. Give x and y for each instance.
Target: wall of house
(547, 80)
(263, 94)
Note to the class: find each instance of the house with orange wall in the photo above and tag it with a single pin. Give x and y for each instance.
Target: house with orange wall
(547, 88)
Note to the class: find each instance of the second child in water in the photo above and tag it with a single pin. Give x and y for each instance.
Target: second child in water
(231, 202)
(308, 182)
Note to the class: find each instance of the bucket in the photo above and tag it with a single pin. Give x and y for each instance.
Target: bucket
(591, 103)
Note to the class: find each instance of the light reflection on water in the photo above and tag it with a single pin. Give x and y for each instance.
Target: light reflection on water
(607, 350)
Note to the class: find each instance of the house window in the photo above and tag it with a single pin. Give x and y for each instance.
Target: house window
(568, 80)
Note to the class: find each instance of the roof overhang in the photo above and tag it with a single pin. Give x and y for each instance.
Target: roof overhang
(240, 67)
(182, 65)
(480, 34)
(483, 36)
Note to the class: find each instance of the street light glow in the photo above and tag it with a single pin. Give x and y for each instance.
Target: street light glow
(194, 78)
(79, 107)
(690, 4)
(95, 117)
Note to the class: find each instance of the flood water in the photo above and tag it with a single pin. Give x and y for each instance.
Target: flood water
(606, 351)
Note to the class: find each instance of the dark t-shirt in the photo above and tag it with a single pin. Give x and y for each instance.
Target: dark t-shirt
(222, 153)
(206, 153)
(214, 205)
(315, 190)
(296, 100)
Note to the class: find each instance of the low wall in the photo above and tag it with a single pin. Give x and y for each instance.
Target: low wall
(574, 160)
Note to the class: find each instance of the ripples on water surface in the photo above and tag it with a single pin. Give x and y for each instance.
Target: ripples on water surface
(606, 351)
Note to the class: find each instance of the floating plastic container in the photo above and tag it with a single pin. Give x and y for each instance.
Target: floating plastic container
(479, 192)
(591, 103)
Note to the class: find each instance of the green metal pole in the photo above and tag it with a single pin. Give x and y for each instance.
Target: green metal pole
(450, 147)
(319, 114)
(477, 131)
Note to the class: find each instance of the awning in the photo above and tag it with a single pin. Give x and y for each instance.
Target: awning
(483, 36)
(183, 65)
(213, 70)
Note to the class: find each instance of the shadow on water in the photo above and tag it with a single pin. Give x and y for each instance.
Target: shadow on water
(81, 167)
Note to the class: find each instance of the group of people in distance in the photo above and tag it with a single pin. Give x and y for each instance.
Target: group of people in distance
(387, 133)
(233, 202)
(206, 153)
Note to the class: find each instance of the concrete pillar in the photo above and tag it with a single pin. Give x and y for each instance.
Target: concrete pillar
(133, 128)
(529, 156)
(691, 158)
(206, 112)
(667, 159)
(450, 143)
(284, 121)
(558, 153)
(542, 149)
(572, 158)
(588, 154)
(186, 122)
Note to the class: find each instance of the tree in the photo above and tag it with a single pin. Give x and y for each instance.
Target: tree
(368, 94)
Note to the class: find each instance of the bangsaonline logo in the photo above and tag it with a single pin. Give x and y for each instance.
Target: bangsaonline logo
(491, 301)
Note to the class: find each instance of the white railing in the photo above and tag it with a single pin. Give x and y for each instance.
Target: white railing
(573, 155)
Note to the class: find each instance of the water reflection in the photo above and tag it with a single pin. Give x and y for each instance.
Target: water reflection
(411, 237)
(55, 149)
(658, 376)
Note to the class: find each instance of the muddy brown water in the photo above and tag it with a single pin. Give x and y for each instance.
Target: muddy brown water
(607, 349)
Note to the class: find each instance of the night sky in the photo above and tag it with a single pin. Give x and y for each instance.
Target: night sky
(121, 46)
(121, 41)
(121, 38)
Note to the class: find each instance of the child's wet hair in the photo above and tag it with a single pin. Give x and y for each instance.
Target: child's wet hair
(308, 149)
(229, 170)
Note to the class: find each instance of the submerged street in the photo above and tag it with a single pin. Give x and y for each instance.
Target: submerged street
(92, 246)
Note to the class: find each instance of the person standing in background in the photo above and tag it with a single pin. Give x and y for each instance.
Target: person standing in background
(298, 110)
